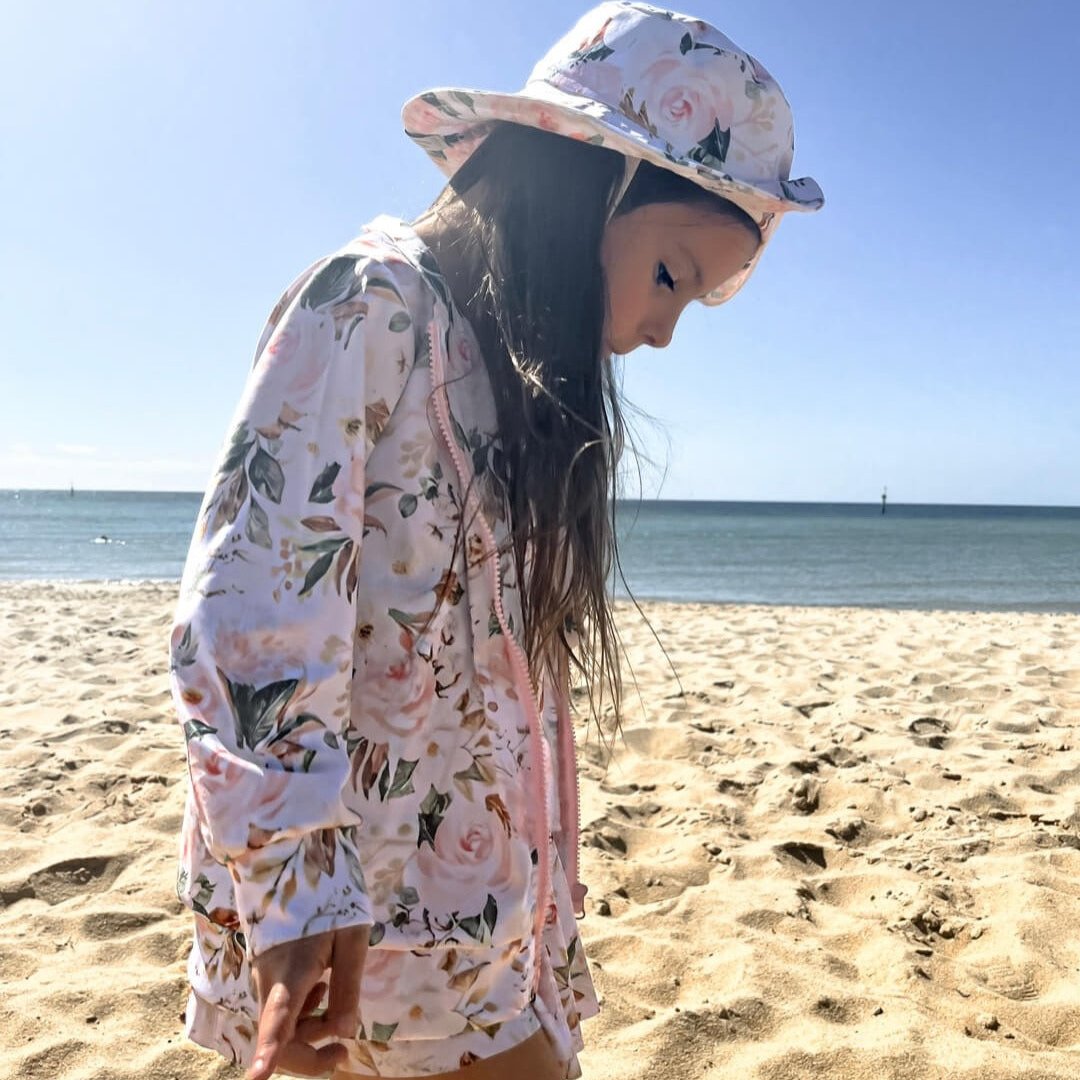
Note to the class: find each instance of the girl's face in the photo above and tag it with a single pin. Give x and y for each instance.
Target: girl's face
(657, 259)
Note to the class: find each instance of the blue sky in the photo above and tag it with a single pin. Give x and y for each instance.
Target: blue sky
(165, 170)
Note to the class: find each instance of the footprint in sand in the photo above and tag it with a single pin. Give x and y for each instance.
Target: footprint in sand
(741, 783)
(100, 680)
(1018, 982)
(104, 925)
(687, 1034)
(599, 835)
(625, 827)
(628, 812)
(72, 877)
(801, 852)
(991, 804)
(929, 731)
(946, 694)
(1016, 727)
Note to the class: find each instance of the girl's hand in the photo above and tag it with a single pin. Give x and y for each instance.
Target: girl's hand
(287, 983)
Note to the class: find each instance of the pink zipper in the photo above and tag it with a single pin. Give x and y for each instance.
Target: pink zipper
(568, 778)
(517, 658)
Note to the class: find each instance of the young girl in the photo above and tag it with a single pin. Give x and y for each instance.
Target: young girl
(404, 554)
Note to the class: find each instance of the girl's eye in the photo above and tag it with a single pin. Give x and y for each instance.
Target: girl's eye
(664, 278)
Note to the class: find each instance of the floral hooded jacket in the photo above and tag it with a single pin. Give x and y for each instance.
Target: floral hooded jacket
(363, 739)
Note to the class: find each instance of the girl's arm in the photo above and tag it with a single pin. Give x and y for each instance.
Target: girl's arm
(262, 645)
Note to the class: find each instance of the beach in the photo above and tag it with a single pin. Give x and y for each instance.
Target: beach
(832, 842)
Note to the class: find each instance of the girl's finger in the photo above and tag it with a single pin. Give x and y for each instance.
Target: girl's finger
(346, 968)
(277, 1022)
(313, 1029)
(311, 1002)
(304, 1060)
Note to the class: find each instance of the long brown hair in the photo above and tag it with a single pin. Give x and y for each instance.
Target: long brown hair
(535, 208)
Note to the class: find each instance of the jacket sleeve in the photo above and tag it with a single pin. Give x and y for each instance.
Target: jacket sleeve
(262, 643)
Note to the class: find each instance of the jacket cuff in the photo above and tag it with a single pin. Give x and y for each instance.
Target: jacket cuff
(296, 888)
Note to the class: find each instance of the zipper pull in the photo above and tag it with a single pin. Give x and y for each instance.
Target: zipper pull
(577, 897)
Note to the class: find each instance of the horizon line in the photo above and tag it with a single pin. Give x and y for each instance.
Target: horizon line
(876, 501)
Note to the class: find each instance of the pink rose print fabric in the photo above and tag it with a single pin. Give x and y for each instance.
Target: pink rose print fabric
(361, 748)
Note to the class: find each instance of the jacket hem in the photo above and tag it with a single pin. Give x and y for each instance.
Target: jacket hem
(231, 1034)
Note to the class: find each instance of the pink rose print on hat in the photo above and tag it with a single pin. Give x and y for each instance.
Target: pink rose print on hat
(685, 102)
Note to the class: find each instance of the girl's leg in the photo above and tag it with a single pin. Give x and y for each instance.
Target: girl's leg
(534, 1059)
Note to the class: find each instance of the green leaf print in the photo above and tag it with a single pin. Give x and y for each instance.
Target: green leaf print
(257, 709)
(257, 526)
(409, 620)
(399, 321)
(377, 285)
(232, 500)
(713, 149)
(686, 44)
(408, 896)
(378, 932)
(322, 491)
(290, 726)
(371, 489)
(464, 777)
(459, 435)
(196, 729)
(432, 811)
(491, 913)
(597, 52)
(204, 896)
(187, 647)
(239, 445)
(402, 782)
(438, 103)
(317, 571)
(382, 1032)
(407, 505)
(330, 544)
(266, 475)
(335, 281)
(471, 925)
(309, 757)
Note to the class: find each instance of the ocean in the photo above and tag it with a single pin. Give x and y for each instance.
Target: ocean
(1011, 558)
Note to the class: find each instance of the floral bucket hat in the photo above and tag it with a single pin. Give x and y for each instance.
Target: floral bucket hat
(655, 86)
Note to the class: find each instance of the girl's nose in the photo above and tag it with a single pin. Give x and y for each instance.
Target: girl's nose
(659, 336)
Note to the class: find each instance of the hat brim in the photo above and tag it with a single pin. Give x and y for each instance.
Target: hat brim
(448, 124)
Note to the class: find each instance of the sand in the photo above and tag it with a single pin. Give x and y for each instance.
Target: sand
(845, 846)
